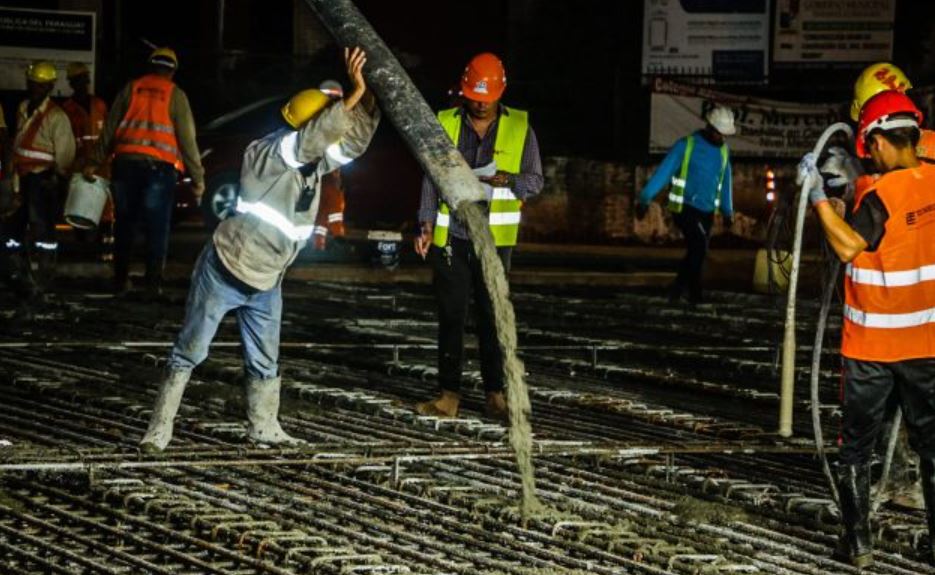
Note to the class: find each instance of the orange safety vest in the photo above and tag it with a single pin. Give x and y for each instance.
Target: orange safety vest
(27, 157)
(330, 217)
(147, 127)
(86, 124)
(925, 150)
(889, 311)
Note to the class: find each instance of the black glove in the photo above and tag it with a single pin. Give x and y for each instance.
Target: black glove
(641, 211)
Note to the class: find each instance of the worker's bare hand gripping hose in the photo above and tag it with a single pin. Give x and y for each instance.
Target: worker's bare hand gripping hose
(459, 187)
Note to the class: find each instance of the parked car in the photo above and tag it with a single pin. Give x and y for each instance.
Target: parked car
(381, 187)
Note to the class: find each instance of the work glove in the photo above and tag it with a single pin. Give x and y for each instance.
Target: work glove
(810, 178)
(641, 210)
(844, 167)
(488, 191)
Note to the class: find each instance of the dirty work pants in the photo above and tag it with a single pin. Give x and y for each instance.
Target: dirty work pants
(868, 386)
(695, 225)
(457, 276)
(144, 192)
(213, 293)
(35, 218)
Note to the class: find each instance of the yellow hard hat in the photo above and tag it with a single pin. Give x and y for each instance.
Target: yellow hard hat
(876, 78)
(76, 69)
(41, 72)
(164, 57)
(304, 106)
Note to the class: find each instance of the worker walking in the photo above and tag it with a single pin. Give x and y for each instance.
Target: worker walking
(151, 133)
(888, 343)
(43, 150)
(698, 172)
(241, 269)
(501, 146)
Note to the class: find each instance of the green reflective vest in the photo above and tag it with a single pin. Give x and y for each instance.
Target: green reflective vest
(677, 190)
(508, 153)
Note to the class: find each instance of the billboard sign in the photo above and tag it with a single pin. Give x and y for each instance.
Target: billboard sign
(826, 32)
(723, 39)
(57, 36)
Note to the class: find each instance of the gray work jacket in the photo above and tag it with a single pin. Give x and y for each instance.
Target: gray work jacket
(259, 243)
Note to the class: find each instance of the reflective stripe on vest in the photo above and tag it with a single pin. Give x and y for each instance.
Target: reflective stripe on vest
(680, 182)
(276, 219)
(889, 311)
(26, 156)
(147, 126)
(505, 207)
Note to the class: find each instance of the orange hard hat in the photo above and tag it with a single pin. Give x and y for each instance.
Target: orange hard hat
(484, 78)
(886, 111)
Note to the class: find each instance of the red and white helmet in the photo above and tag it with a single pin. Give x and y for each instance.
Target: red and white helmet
(885, 111)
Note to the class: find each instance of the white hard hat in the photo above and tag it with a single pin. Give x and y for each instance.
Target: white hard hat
(722, 118)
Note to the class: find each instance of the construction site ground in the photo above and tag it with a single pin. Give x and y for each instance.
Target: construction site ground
(654, 436)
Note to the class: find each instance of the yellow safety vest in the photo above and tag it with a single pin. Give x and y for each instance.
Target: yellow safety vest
(508, 153)
(677, 190)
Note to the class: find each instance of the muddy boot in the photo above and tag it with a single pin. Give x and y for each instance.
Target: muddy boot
(159, 433)
(263, 413)
(446, 405)
(121, 285)
(45, 276)
(854, 544)
(927, 471)
(496, 408)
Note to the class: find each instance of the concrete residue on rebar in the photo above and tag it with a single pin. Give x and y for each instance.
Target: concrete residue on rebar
(517, 394)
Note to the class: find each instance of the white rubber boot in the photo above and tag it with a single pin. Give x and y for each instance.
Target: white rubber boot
(159, 433)
(263, 413)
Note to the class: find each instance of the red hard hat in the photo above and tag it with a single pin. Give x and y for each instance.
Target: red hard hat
(484, 78)
(878, 112)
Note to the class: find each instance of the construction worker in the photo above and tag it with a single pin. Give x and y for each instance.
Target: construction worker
(499, 143)
(242, 267)
(888, 343)
(43, 150)
(151, 133)
(330, 218)
(698, 172)
(86, 112)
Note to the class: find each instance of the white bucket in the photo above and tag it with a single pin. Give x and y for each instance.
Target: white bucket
(86, 201)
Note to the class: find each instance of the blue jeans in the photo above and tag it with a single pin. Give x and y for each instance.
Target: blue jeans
(213, 293)
(144, 192)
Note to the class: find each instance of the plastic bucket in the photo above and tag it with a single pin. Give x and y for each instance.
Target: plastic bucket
(86, 201)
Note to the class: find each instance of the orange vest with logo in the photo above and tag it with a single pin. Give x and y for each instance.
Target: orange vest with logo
(86, 124)
(889, 311)
(147, 127)
(27, 157)
(330, 217)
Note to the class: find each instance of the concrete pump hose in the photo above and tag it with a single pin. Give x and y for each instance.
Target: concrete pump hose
(787, 394)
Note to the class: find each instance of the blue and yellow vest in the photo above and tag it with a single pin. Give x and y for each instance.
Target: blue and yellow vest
(508, 153)
(677, 190)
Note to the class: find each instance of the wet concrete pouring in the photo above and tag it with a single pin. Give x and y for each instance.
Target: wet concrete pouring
(654, 445)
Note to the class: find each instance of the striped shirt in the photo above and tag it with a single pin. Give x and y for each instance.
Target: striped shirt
(478, 152)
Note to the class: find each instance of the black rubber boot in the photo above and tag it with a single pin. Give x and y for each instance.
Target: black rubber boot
(121, 276)
(153, 278)
(45, 278)
(927, 471)
(855, 543)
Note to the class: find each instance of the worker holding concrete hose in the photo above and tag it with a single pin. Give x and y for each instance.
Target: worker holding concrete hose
(697, 171)
(43, 151)
(150, 131)
(888, 343)
(499, 144)
(241, 269)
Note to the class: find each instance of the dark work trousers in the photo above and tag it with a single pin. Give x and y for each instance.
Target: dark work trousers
(868, 387)
(695, 225)
(144, 192)
(30, 232)
(457, 275)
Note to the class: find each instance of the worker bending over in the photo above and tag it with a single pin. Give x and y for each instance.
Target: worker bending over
(241, 269)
